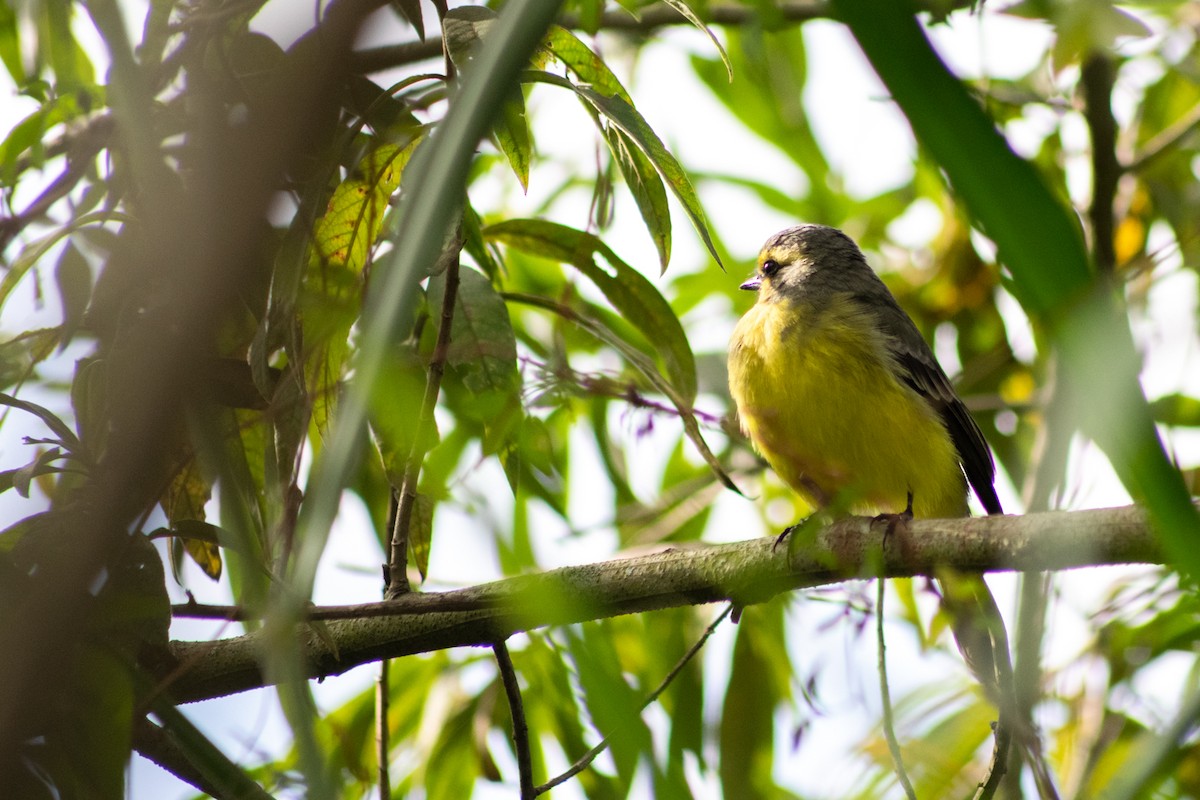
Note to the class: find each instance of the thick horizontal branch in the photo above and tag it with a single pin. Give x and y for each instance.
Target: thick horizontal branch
(744, 572)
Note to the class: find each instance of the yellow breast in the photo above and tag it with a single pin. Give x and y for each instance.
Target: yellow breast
(819, 399)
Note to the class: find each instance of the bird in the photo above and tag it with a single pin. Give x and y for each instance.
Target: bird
(837, 389)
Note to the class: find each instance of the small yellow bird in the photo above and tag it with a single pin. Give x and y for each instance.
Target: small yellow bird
(837, 389)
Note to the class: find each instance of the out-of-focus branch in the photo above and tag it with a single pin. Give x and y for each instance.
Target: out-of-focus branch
(744, 573)
(647, 20)
(1099, 73)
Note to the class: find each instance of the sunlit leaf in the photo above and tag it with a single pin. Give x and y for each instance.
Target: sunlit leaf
(354, 216)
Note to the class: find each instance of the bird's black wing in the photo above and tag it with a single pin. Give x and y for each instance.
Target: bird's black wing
(926, 377)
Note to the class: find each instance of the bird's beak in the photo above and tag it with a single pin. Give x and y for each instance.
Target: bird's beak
(752, 283)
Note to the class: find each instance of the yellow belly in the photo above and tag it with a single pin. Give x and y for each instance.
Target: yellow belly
(819, 402)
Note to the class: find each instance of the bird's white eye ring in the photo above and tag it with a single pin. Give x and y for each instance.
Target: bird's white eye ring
(770, 267)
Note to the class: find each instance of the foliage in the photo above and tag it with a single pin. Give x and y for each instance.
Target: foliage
(284, 271)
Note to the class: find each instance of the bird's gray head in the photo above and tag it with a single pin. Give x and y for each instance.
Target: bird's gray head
(809, 261)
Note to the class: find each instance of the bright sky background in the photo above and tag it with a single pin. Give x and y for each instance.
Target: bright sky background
(866, 139)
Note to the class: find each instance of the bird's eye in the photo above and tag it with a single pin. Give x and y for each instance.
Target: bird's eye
(769, 268)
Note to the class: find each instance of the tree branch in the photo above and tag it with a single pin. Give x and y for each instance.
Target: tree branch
(743, 572)
(645, 21)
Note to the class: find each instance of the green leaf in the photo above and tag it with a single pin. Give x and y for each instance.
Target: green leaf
(420, 532)
(206, 757)
(453, 766)
(755, 688)
(646, 187)
(1177, 409)
(10, 45)
(89, 402)
(351, 224)
(613, 705)
(583, 61)
(627, 118)
(622, 114)
(72, 69)
(483, 348)
(464, 28)
(411, 11)
(634, 297)
(511, 131)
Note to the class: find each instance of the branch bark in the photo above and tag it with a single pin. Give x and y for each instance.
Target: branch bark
(743, 572)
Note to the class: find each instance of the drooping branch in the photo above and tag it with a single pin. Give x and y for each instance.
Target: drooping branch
(744, 573)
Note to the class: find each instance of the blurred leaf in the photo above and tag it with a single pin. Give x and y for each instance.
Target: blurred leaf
(747, 733)
(1082, 27)
(1176, 409)
(72, 69)
(612, 704)
(453, 766)
(20, 354)
(10, 45)
(420, 533)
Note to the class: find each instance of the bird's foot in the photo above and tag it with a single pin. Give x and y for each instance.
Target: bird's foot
(894, 521)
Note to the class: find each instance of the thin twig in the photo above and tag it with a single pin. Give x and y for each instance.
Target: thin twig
(520, 729)
(590, 756)
(998, 769)
(885, 695)
(382, 733)
(383, 688)
(398, 557)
